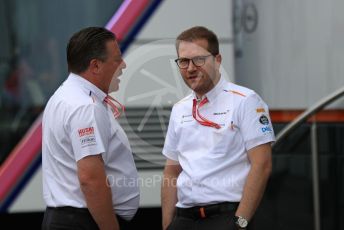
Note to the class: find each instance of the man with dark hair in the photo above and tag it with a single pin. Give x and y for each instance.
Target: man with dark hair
(89, 175)
(218, 144)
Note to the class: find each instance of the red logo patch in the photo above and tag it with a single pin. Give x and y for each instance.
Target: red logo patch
(86, 131)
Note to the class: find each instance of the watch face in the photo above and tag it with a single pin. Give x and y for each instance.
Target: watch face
(242, 222)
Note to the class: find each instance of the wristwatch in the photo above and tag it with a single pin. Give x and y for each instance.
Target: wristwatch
(240, 222)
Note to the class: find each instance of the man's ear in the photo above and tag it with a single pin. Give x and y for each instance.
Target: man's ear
(94, 66)
(218, 61)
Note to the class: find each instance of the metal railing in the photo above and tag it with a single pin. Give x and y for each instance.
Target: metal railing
(314, 146)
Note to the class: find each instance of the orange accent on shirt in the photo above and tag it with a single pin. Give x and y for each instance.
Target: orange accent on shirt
(236, 92)
(201, 210)
(260, 110)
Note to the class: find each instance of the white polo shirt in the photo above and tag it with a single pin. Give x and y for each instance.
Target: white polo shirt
(214, 161)
(77, 123)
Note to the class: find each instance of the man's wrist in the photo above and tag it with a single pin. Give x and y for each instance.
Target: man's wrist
(240, 222)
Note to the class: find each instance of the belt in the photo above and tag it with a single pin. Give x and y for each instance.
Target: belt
(79, 211)
(200, 212)
(70, 209)
(75, 218)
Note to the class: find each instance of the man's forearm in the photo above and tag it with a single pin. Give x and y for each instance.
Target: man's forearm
(169, 191)
(97, 192)
(99, 202)
(261, 166)
(168, 200)
(253, 191)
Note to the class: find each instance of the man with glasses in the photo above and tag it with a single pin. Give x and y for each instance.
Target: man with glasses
(218, 144)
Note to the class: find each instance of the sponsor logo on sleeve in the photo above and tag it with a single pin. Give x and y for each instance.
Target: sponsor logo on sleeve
(266, 129)
(86, 131)
(87, 137)
(260, 110)
(264, 120)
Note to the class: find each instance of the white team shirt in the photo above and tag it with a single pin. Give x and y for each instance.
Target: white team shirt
(77, 123)
(214, 161)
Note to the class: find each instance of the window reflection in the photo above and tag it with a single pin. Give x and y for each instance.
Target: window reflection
(32, 56)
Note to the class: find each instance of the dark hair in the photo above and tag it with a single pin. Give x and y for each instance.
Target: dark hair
(85, 45)
(200, 32)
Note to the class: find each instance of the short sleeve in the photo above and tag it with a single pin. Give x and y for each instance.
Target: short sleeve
(89, 131)
(255, 123)
(170, 145)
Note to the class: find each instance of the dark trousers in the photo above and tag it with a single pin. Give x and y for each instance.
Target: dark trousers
(68, 218)
(210, 217)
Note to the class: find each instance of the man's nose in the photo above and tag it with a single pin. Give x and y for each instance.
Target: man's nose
(124, 65)
(191, 66)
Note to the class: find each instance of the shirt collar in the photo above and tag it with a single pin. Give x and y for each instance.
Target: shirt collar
(212, 94)
(87, 85)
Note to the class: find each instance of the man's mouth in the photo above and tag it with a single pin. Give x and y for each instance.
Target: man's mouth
(192, 77)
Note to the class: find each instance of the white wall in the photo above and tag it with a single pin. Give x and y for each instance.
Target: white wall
(296, 55)
(31, 197)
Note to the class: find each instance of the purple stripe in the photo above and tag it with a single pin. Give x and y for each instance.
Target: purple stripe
(118, 14)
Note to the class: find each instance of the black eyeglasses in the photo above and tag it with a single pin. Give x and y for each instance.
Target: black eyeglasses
(198, 61)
